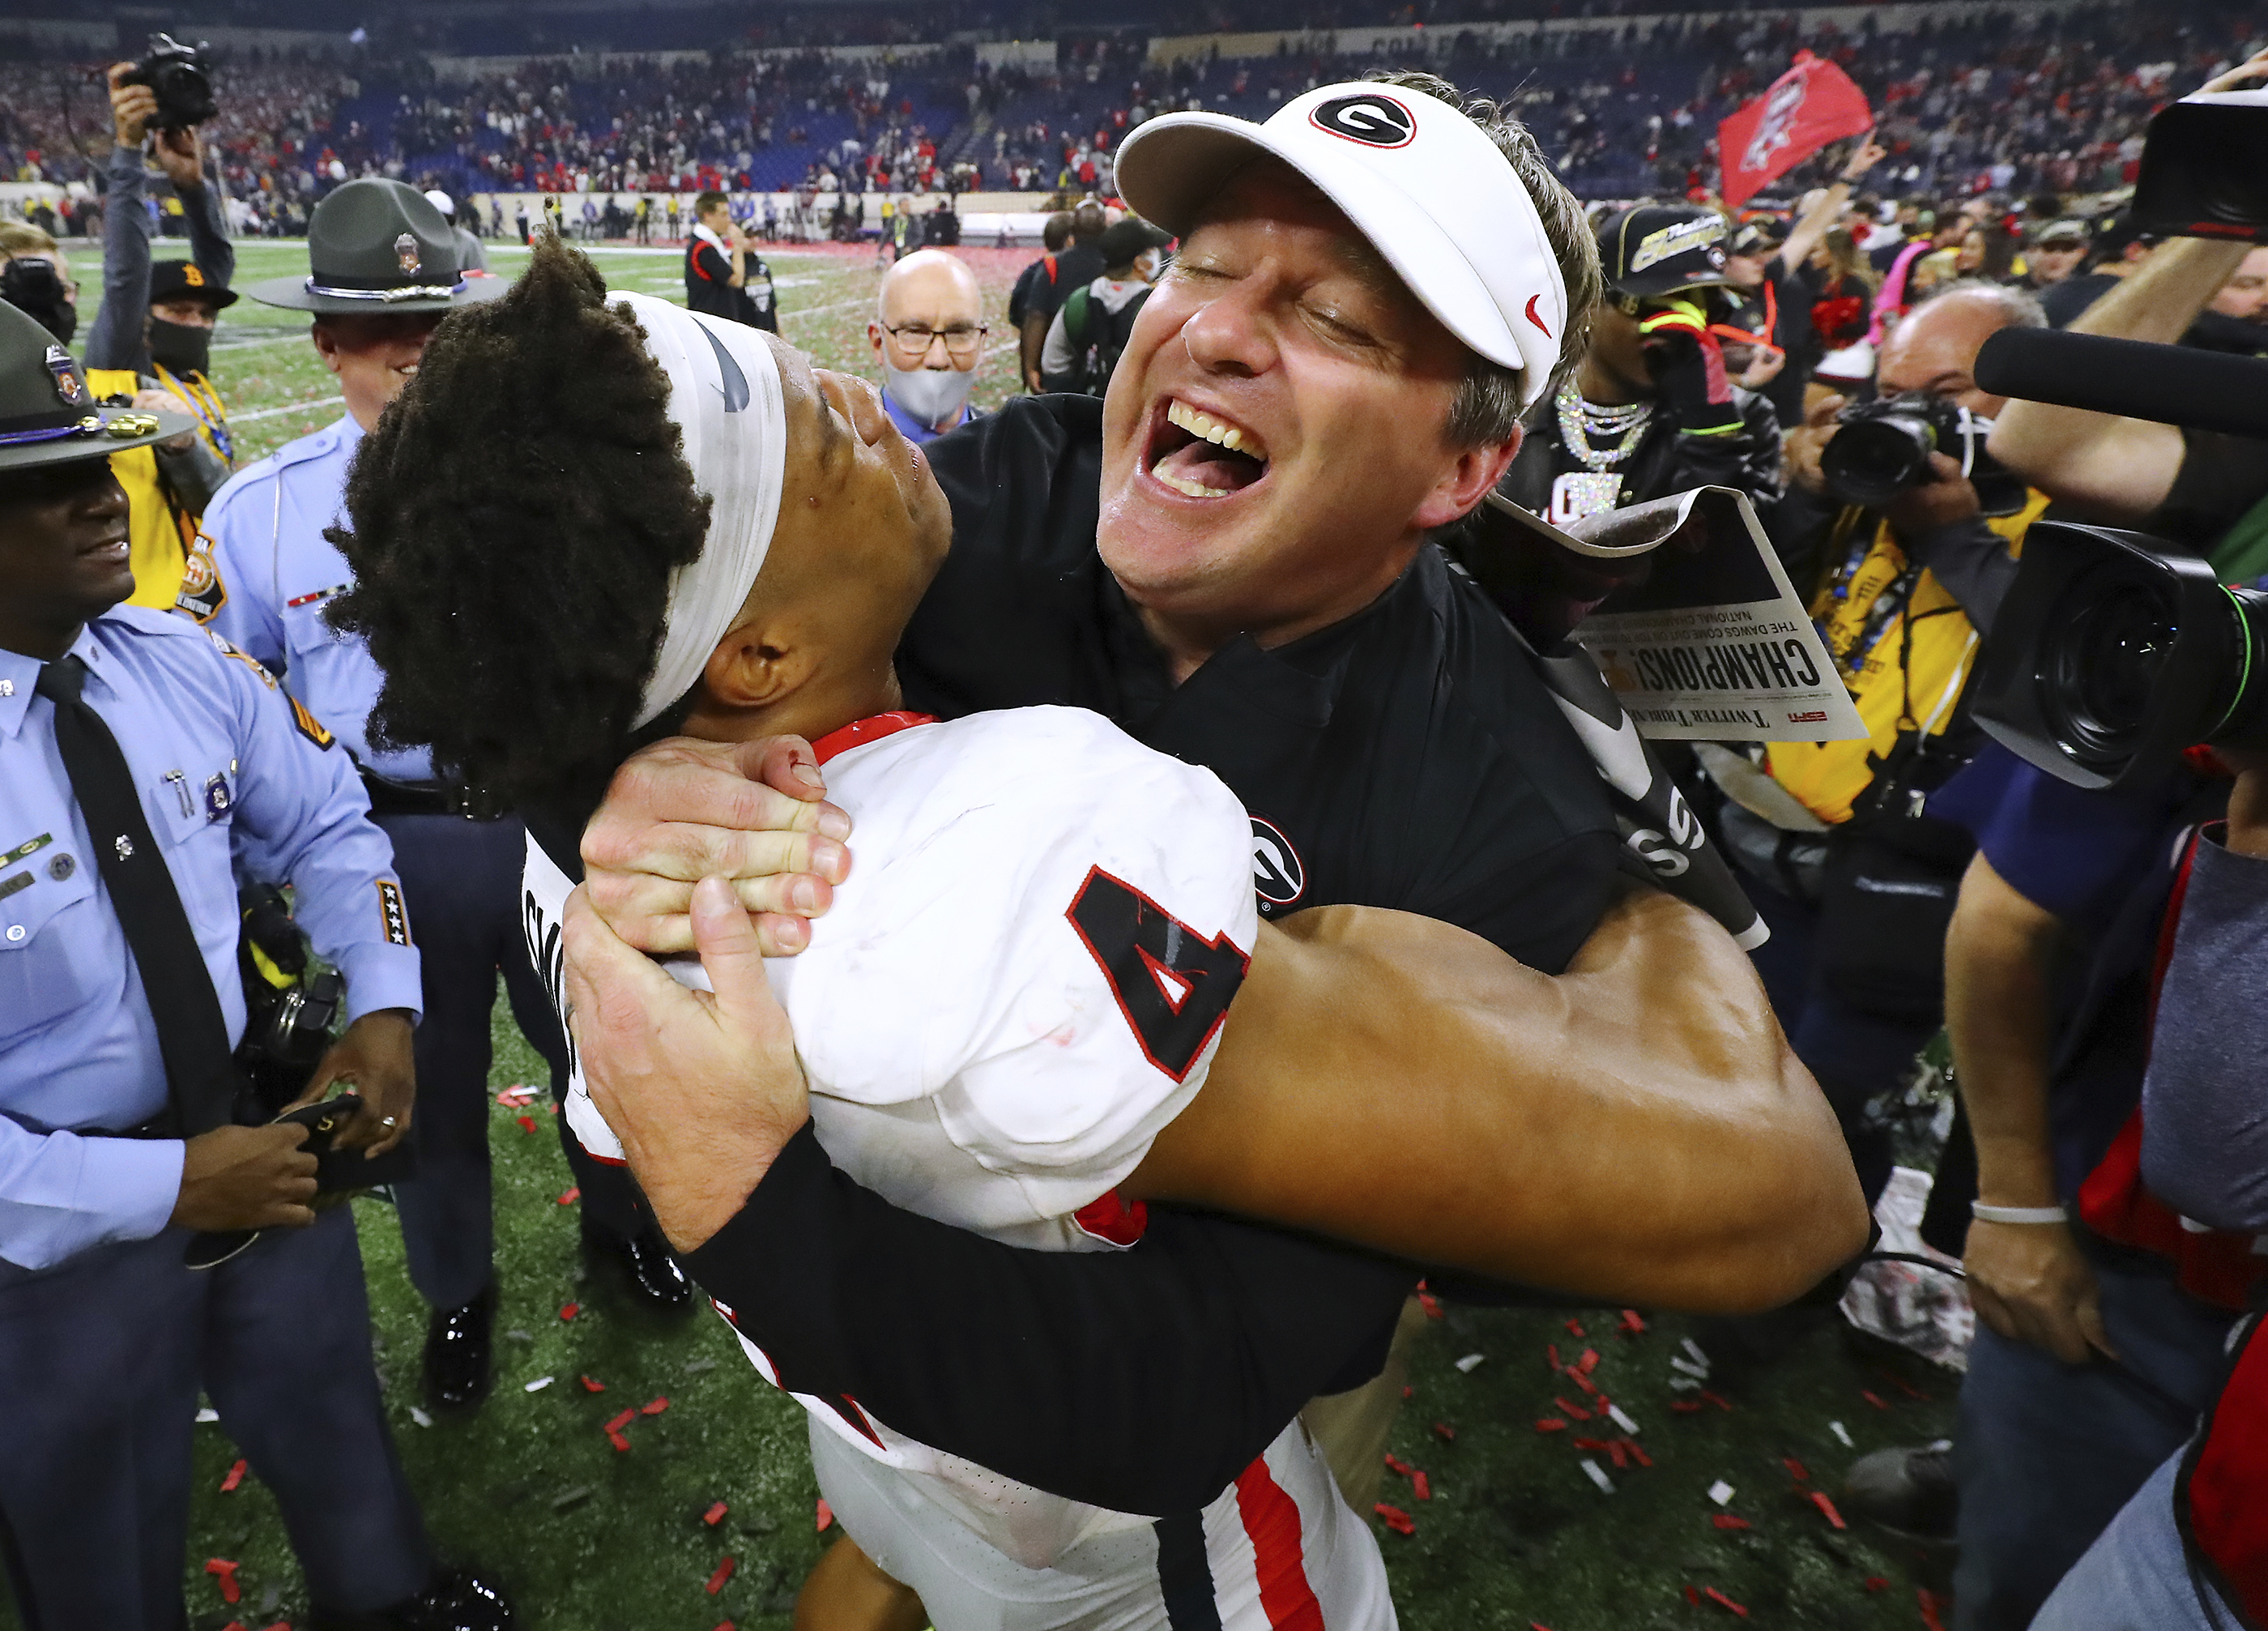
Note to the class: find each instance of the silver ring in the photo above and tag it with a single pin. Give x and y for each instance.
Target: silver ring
(386, 1121)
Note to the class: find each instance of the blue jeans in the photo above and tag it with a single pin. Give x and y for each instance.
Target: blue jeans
(2047, 1453)
(2134, 1577)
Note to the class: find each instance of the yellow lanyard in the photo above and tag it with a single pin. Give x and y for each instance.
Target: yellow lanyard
(204, 402)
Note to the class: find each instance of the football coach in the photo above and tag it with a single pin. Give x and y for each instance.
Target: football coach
(1230, 557)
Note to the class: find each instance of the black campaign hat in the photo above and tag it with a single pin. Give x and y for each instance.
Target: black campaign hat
(48, 414)
(375, 247)
(1655, 249)
(186, 280)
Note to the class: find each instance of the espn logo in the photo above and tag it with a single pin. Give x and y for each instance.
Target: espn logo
(1817, 716)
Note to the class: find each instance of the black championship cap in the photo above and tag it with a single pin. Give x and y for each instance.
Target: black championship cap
(1661, 248)
(376, 246)
(1123, 241)
(47, 414)
(186, 280)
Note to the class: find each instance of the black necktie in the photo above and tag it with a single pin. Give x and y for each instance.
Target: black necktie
(192, 1033)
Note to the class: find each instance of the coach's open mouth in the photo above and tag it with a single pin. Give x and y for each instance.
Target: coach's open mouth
(1201, 455)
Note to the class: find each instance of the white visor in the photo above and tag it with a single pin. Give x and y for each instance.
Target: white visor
(1425, 184)
(727, 403)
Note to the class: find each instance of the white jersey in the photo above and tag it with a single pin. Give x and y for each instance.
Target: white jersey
(1022, 982)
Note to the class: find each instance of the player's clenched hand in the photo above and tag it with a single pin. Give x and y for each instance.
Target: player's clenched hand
(702, 1089)
(753, 812)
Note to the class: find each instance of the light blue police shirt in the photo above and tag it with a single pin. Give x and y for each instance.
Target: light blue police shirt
(230, 771)
(279, 571)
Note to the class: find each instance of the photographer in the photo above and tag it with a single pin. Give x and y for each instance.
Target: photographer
(1856, 882)
(151, 342)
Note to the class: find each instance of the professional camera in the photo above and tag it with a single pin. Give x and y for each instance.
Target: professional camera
(2112, 652)
(2205, 168)
(1883, 448)
(176, 73)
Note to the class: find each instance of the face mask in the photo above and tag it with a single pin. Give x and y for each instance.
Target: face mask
(180, 348)
(33, 288)
(932, 395)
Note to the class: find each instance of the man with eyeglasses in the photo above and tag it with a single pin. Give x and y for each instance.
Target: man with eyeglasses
(928, 334)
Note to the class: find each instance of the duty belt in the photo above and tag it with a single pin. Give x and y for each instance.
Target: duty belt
(394, 798)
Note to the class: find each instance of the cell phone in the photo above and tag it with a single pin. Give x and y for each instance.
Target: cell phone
(324, 1123)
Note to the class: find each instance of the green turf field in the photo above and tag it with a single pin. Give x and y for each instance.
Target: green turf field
(1514, 1533)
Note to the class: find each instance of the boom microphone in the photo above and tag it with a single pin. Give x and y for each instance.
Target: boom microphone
(2171, 384)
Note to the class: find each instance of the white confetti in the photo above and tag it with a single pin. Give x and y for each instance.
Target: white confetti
(209, 1414)
(1622, 1421)
(1720, 1492)
(1470, 1361)
(1693, 1351)
(420, 1417)
(537, 1386)
(1598, 1475)
(1841, 1432)
(1683, 1384)
(1679, 1364)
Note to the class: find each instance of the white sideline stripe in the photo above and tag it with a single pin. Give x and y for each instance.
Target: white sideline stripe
(271, 413)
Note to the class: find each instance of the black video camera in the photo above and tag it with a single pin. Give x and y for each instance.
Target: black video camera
(176, 74)
(2113, 652)
(2204, 169)
(1883, 448)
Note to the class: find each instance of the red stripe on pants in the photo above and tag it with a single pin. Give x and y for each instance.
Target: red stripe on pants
(1271, 1519)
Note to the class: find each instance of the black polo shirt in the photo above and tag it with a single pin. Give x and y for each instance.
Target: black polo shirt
(1409, 758)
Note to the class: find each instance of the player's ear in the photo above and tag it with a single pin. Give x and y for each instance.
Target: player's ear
(754, 667)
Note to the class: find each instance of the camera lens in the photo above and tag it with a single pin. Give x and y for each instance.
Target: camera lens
(2102, 673)
(1872, 460)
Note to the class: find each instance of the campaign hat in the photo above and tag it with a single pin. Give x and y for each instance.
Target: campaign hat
(375, 247)
(48, 414)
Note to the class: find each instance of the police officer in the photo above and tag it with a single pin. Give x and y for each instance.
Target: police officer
(138, 755)
(384, 272)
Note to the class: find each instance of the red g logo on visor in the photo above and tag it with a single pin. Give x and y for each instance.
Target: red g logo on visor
(1373, 120)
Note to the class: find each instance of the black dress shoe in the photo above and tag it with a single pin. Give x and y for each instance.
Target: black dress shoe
(647, 1269)
(459, 1353)
(1908, 1490)
(458, 1600)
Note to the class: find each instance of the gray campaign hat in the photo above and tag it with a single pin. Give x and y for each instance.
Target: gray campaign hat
(376, 246)
(48, 413)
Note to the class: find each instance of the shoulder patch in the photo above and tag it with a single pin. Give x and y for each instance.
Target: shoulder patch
(203, 593)
(221, 644)
(309, 726)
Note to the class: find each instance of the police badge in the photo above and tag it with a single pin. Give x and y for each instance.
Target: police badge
(405, 253)
(68, 385)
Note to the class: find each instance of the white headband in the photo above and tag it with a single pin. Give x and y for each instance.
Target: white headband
(726, 401)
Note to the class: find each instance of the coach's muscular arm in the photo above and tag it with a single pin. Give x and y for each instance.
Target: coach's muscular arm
(1636, 1130)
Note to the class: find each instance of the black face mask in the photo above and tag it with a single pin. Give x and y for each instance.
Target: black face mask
(33, 288)
(180, 348)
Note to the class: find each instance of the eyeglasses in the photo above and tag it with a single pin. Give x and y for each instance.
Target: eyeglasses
(915, 339)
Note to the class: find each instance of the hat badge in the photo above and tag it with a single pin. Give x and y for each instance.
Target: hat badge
(68, 385)
(405, 253)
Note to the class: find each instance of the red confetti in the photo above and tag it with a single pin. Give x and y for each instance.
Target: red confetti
(1430, 1303)
(1693, 1596)
(590, 1386)
(226, 1570)
(1589, 1361)
(1550, 1424)
(722, 1625)
(1395, 1464)
(1420, 1486)
(1590, 1444)
(572, 1193)
(1576, 1411)
(1877, 1583)
(1551, 1352)
(1715, 1596)
(1685, 1406)
(1617, 1454)
(1819, 1499)
(1725, 1520)
(715, 1515)
(1795, 1469)
(622, 1421)
(724, 1573)
(1582, 1380)
(1637, 1453)
(235, 1477)
(1871, 1400)
(824, 1520)
(1904, 1386)
(570, 1310)
(617, 1440)
(1633, 1325)
(1575, 1329)
(527, 1124)
(1537, 1625)
(1400, 1522)
(1715, 1399)
(653, 1406)
(1926, 1600)
(1443, 1431)
(1407, 1392)
(512, 1098)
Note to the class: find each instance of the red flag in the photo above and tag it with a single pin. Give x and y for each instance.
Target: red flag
(1812, 104)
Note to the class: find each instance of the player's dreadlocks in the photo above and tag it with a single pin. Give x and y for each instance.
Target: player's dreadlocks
(514, 519)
